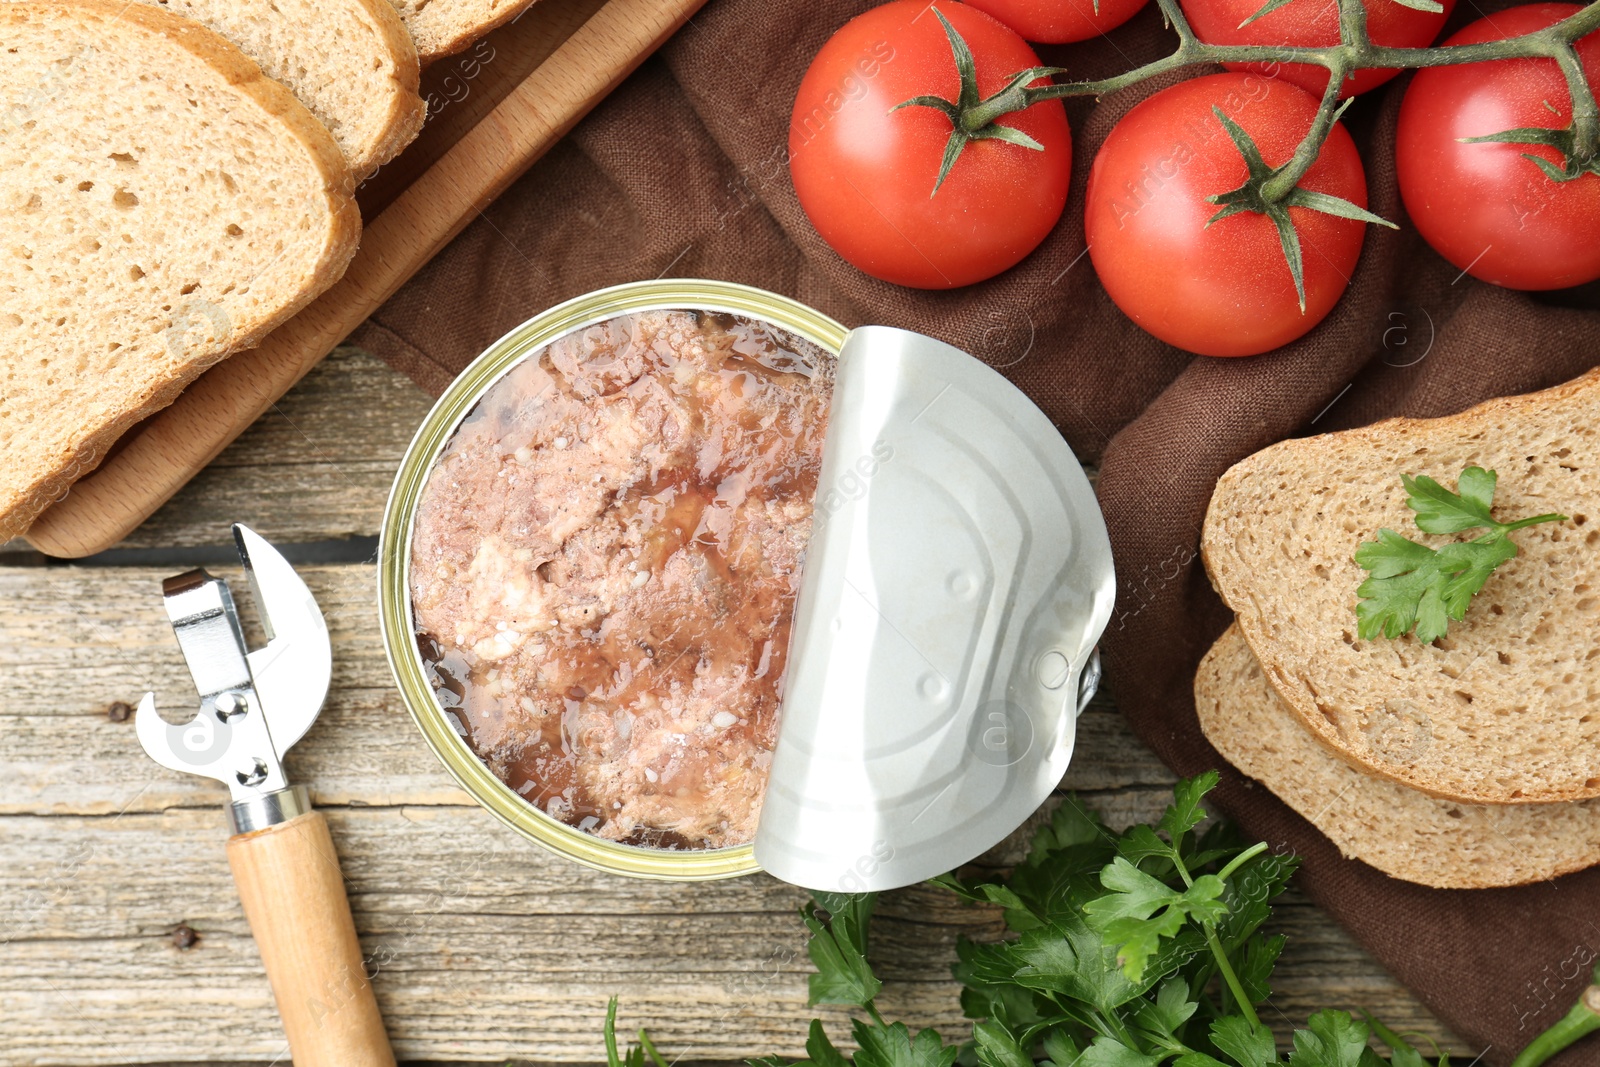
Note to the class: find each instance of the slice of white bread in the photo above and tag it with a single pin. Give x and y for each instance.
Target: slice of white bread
(1506, 708)
(166, 204)
(351, 63)
(443, 27)
(1402, 832)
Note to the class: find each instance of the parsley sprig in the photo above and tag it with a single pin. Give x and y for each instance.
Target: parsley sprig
(1138, 949)
(1412, 587)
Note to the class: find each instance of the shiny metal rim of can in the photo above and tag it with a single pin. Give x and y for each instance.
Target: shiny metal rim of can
(394, 558)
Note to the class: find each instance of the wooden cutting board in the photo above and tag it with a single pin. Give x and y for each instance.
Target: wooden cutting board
(492, 111)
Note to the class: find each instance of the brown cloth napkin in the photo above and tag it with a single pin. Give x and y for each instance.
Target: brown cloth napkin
(682, 172)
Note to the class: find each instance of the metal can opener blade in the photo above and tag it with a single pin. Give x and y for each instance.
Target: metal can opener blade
(253, 705)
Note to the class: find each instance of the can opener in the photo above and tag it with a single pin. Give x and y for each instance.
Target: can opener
(254, 705)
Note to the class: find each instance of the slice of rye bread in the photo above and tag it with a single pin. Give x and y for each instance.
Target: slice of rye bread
(1502, 710)
(351, 63)
(444, 27)
(1402, 832)
(166, 205)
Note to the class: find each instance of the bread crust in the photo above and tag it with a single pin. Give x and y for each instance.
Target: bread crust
(433, 45)
(407, 110)
(58, 471)
(403, 109)
(1235, 579)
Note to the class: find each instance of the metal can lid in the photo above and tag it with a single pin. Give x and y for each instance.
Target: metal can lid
(958, 577)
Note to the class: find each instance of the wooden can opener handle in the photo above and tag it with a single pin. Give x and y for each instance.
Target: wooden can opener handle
(293, 894)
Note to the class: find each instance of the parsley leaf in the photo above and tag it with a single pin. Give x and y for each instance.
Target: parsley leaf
(821, 1050)
(839, 949)
(1414, 588)
(1110, 1052)
(1333, 1039)
(1185, 812)
(1401, 1054)
(1249, 895)
(1141, 843)
(893, 1046)
(1440, 511)
(1138, 949)
(1172, 1007)
(995, 1047)
(1255, 966)
(1138, 911)
(1070, 825)
(1060, 1049)
(1073, 959)
(1247, 1044)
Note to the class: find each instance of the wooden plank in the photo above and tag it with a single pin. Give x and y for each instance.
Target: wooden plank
(523, 948)
(317, 465)
(163, 454)
(485, 947)
(81, 639)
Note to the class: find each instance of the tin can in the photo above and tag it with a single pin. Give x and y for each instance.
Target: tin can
(394, 559)
(957, 579)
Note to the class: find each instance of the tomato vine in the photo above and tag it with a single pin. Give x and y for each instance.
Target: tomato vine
(1355, 51)
(1272, 190)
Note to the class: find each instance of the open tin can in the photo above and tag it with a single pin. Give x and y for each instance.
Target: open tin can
(957, 579)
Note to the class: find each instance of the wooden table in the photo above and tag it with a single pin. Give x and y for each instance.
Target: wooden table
(121, 938)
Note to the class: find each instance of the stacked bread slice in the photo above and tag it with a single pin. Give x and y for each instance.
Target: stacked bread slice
(167, 204)
(442, 27)
(1403, 832)
(350, 62)
(1471, 761)
(179, 177)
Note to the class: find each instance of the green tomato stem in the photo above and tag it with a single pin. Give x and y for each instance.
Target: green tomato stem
(1353, 55)
(1352, 35)
(1281, 184)
(1585, 115)
(983, 113)
(1354, 52)
(1178, 21)
(1545, 43)
(1580, 1021)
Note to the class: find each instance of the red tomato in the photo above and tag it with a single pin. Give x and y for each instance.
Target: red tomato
(1060, 21)
(1311, 23)
(1223, 289)
(865, 173)
(1484, 207)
